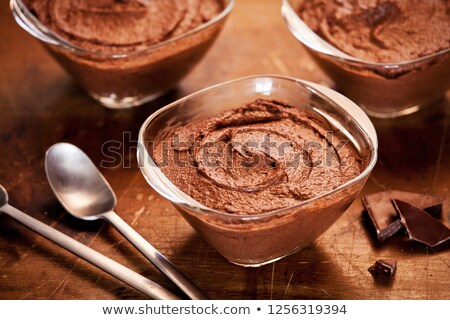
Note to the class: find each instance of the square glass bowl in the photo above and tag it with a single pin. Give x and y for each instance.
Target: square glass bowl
(383, 90)
(254, 240)
(122, 80)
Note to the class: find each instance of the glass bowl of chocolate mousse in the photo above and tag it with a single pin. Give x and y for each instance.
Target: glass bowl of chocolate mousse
(260, 166)
(391, 57)
(124, 53)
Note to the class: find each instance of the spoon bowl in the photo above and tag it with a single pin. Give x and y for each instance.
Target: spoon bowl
(77, 183)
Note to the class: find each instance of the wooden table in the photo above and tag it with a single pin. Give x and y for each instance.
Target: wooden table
(41, 105)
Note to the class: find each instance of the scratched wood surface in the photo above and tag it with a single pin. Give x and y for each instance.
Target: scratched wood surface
(41, 105)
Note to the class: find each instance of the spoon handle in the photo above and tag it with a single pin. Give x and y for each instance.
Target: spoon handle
(155, 257)
(106, 264)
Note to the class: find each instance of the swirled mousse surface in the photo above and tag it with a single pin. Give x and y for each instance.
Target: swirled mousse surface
(260, 157)
(381, 30)
(122, 25)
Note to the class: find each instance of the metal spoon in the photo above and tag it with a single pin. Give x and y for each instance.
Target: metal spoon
(85, 194)
(110, 266)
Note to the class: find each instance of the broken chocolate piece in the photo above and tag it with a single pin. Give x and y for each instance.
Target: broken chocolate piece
(420, 225)
(382, 212)
(383, 269)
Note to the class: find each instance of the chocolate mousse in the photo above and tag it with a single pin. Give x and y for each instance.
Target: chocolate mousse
(381, 30)
(122, 26)
(260, 157)
(125, 53)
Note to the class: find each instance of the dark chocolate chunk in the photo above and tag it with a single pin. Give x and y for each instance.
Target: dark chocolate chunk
(384, 216)
(420, 225)
(383, 269)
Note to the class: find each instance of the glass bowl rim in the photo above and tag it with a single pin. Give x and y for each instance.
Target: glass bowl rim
(40, 31)
(287, 9)
(373, 143)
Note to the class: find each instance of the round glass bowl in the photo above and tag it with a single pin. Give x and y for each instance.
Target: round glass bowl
(254, 240)
(122, 80)
(383, 90)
